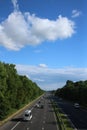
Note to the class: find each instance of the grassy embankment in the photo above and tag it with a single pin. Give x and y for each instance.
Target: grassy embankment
(14, 112)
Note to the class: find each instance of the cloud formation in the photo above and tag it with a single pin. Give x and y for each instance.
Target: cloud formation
(21, 29)
(76, 13)
(43, 65)
(15, 4)
(49, 79)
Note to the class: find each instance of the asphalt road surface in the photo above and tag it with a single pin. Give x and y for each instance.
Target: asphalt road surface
(77, 116)
(42, 119)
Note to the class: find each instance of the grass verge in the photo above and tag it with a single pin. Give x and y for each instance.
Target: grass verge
(62, 119)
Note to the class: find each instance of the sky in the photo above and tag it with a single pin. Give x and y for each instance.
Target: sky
(45, 39)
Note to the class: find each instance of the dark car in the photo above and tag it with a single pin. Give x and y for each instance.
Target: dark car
(41, 106)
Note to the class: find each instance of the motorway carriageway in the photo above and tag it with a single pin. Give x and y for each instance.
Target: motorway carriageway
(42, 119)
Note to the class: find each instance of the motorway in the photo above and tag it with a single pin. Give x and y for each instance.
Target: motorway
(78, 117)
(42, 119)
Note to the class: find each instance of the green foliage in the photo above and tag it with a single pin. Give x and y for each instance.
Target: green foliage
(15, 90)
(74, 91)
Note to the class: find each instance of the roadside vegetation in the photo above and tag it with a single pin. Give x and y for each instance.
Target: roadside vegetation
(15, 90)
(74, 91)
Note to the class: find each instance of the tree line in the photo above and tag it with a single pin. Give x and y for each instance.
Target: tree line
(15, 90)
(74, 91)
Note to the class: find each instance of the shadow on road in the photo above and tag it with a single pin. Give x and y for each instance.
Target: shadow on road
(17, 119)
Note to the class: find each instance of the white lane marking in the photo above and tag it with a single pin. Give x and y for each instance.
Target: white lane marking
(15, 125)
(43, 122)
(31, 122)
(27, 128)
(32, 108)
(42, 128)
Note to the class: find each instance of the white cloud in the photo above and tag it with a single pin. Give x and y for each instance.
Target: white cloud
(38, 79)
(43, 65)
(49, 78)
(15, 4)
(21, 29)
(76, 13)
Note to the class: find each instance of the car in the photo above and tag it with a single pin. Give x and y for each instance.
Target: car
(76, 105)
(39, 102)
(37, 105)
(41, 106)
(27, 115)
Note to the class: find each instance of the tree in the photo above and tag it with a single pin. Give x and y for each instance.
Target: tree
(15, 90)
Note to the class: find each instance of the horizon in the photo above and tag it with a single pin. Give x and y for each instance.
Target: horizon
(45, 40)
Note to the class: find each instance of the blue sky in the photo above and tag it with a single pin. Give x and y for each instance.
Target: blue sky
(45, 39)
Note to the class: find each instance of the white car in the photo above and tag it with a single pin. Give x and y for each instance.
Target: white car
(76, 105)
(37, 105)
(27, 115)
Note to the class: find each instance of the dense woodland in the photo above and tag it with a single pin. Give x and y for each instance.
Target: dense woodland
(15, 90)
(74, 91)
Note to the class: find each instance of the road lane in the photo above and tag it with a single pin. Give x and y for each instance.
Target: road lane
(51, 123)
(18, 118)
(43, 119)
(77, 116)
